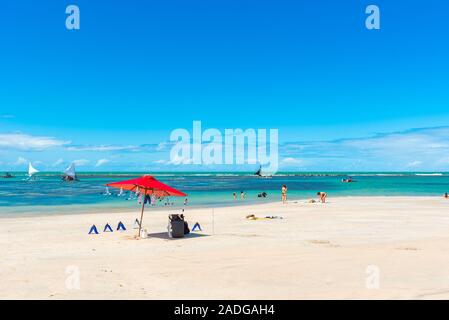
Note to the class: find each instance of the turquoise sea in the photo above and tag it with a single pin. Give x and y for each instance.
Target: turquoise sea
(49, 195)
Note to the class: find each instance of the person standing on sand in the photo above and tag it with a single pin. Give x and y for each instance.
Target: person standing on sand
(284, 193)
(446, 196)
(322, 196)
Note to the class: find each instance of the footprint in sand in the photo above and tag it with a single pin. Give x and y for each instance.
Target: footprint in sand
(249, 235)
(129, 237)
(324, 242)
(319, 241)
(408, 249)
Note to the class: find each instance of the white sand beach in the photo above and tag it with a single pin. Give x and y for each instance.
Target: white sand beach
(318, 251)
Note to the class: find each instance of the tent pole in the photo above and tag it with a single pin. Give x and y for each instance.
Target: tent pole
(141, 213)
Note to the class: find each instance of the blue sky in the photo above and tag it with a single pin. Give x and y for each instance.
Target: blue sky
(108, 95)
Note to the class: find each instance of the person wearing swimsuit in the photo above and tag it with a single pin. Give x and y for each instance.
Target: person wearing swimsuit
(284, 193)
(322, 196)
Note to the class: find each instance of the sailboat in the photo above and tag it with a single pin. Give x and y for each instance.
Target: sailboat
(31, 171)
(70, 173)
(107, 192)
(260, 174)
(8, 176)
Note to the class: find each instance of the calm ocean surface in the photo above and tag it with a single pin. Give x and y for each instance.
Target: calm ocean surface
(49, 195)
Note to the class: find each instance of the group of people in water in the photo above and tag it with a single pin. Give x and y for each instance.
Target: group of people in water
(242, 195)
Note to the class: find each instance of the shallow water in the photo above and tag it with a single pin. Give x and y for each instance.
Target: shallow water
(48, 194)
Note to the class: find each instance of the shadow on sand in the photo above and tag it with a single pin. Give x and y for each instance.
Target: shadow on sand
(164, 235)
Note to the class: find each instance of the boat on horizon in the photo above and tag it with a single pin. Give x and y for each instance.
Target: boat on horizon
(8, 176)
(70, 173)
(31, 172)
(260, 174)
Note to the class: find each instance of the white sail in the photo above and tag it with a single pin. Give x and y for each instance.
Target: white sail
(262, 174)
(70, 171)
(106, 192)
(31, 170)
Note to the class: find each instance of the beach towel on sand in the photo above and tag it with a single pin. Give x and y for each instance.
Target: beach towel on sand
(93, 229)
(253, 217)
(107, 228)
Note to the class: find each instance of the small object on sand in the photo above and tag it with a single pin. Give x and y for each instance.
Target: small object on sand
(121, 226)
(136, 224)
(311, 201)
(253, 217)
(320, 241)
(107, 228)
(93, 229)
(143, 234)
(197, 226)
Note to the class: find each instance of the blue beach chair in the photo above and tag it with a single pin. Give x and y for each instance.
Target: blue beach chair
(121, 227)
(136, 224)
(93, 230)
(107, 228)
(197, 226)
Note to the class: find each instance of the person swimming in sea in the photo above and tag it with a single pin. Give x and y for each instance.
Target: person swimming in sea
(242, 195)
(235, 196)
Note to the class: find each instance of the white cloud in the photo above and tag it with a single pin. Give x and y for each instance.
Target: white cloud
(423, 148)
(21, 141)
(415, 163)
(101, 148)
(101, 162)
(393, 151)
(21, 161)
(291, 161)
(81, 162)
(177, 160)
(7, 116)
(58, 162)
(161, 146)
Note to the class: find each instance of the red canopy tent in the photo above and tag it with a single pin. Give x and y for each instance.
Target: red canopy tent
(147, 185)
